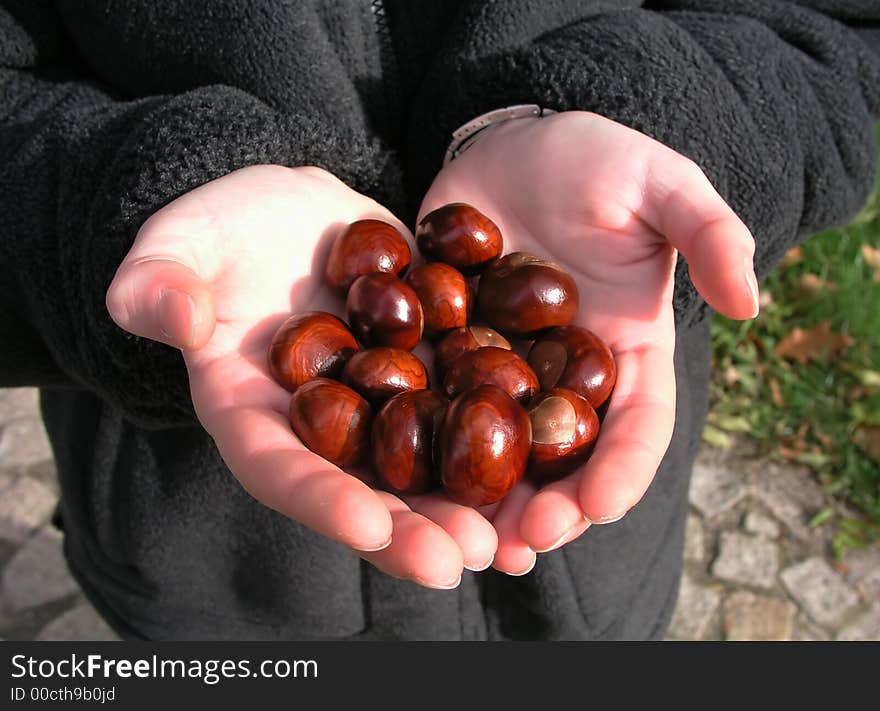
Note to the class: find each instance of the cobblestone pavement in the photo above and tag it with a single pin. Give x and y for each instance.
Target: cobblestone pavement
(754, 569)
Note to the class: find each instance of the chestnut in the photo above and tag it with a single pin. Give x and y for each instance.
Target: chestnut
(446, 296)
(521, 295)
(575, 358)
(564, 429)
(404, 434)
(384, 311)
(380, 373)
(332, 420)
(462, 340)
(493, 366)
(460, 235)
(310, 345)
(364, 247)
(484, 446)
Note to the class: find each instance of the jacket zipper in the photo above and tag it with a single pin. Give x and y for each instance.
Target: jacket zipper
(389, 65)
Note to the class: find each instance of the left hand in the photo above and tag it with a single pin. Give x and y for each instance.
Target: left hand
(612, 206)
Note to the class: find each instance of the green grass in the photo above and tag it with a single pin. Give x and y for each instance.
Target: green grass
(813, 413)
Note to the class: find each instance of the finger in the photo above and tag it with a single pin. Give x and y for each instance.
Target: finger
(420, 550)
(262, 452)
(553, 517)
(634, 434)
(514, 556)
(164, 300)
(681, 204)
(475, 536)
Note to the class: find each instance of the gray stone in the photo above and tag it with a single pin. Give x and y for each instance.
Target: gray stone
(751, 617)
(864, 629)
(694, 540)
(822, 593)
(38, 573)
(761, 525)
(18, 403)
(694, 612)
(807, 631)
(715, 489)
(24, 442)
(790, 493)
(25, 504)
(746, 560)
(80, 623)
(862, 569)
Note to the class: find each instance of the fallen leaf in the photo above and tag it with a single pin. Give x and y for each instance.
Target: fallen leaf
(802, 345)
(825, 439)
(715, 437)
(868, 440)
(792, 256)
(776, 393)
(813, 285)
(788, 454)
(871, 255)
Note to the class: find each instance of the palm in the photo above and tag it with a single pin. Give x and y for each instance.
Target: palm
(258, 240)
(576, 188)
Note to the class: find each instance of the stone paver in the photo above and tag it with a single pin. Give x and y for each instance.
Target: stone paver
(37, 574)
(25, 504)
(24, 442)
(80, 623)
(862, 569)
(694, 539)
(751, 617)
(746, 560)
(757, 523)
(790, 493)
(823, 593)
(715, 489)
(805, 630)
(864, 629)
(18, 403)
(695, 612)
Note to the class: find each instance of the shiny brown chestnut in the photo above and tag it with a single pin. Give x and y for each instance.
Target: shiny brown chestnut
(564, 429)
(384, 311)
(462, 340)
(522, 295)
(446, 296)
(484, 446)
(364, 247)
(403, 439)
(492, 366)
(380, 373)
(460, 235)
(333, 421)
(310, 345)
(575, 358)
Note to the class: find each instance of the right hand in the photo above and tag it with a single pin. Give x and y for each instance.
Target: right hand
(215, 273)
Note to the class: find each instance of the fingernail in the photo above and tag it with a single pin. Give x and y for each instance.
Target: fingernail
(526, 571)
(752, 284)
(435, 586)
(608, 519)
(367, 549)
(558, 542)
(483, 567)
(172, 304)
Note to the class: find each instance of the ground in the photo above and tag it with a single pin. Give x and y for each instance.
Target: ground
(754, 568)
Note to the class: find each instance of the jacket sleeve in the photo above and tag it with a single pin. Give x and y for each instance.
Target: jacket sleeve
(774, 100)
(82, 169)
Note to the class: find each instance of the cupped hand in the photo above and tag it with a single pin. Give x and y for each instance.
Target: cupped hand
(612, 206)
(215, 273)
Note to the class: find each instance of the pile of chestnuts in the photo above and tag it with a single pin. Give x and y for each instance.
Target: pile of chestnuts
(362, 400)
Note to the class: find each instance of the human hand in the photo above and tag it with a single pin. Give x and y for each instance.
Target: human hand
(612, 206)
(215, 273)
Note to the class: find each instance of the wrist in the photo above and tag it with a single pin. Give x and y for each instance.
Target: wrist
(478, 128)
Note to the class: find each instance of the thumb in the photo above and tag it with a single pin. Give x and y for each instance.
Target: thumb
(683, 206)
(162, 299)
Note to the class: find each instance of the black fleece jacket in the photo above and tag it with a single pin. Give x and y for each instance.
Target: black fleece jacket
(111, 109)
